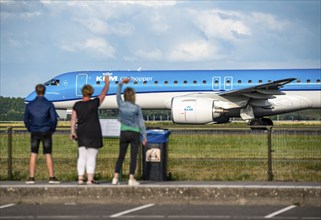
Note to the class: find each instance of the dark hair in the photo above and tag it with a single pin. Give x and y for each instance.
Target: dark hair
(40, 89)
(129, 95)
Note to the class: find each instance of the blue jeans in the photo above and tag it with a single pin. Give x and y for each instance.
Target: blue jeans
(126, 138)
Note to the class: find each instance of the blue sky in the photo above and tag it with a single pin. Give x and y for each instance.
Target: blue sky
(42, 39)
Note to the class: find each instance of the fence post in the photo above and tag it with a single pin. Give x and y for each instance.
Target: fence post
(270, 171)
(139, 171)
(10, 153)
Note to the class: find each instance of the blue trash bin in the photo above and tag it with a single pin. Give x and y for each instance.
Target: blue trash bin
(155, 155)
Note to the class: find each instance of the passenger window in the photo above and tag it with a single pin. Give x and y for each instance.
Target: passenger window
(216, 82)
(166, 82)
(175, 82)
(204, 81)
(318, 81)
(250, 81)
(185, 82)
(308, 81)
(194, 82)
(135, 82)
(260, 81)
(239, 81)
(145, 82)
(228, 82)
(298, 81)
(269, 80)
(156, 82)
(116, 82)
(98, 83)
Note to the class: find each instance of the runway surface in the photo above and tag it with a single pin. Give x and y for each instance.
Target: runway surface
(154, 211)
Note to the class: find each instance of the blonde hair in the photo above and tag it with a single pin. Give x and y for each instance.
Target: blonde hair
(87, 90)
(129, 95)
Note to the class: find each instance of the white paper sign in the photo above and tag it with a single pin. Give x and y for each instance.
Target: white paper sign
(110, 127)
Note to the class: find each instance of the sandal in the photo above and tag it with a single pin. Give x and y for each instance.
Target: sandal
(91, 182)
(81, 182)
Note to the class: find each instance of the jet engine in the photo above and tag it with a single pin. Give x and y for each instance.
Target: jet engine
(196, 110)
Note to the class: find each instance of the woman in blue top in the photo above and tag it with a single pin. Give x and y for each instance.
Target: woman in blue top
(132, 126)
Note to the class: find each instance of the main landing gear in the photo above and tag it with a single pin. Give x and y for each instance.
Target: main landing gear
(260, 123)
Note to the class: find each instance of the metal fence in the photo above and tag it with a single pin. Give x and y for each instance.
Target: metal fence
(236, 154)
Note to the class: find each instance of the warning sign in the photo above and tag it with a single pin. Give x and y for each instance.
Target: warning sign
(153, 155)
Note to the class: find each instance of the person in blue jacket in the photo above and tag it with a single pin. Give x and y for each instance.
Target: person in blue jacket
(132, 127)
(40, 118)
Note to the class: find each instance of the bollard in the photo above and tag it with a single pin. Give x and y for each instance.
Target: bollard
(10, 153)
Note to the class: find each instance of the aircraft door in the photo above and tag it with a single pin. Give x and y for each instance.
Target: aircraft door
(216, 83)
(228, 83)
(81, 80)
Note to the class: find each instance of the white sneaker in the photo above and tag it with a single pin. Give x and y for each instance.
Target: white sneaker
(53, 180)
(30, 180)
(133, 183)
(115, 181)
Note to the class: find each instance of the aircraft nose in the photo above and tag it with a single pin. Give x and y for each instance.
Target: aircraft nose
(30, 97)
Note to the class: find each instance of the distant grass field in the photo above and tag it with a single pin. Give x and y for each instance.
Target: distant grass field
(198, 156)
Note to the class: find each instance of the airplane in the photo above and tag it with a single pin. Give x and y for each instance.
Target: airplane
(199, 96)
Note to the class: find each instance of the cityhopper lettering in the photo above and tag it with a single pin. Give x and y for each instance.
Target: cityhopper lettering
(114, 78)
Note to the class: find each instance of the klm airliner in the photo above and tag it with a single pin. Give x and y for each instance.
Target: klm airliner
(200, 96)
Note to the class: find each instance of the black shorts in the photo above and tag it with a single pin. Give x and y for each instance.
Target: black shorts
(45, 138)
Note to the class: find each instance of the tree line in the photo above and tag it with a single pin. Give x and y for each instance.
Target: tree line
(12, 109)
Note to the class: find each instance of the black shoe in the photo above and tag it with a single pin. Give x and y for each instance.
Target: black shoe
(53, 180)
(31, 180)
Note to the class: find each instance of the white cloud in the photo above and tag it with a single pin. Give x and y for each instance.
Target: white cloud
(95, 25)
(97, 47)
(154, 55)
(20, 9)
(192, 51)
(101, 46)
(158, 23)
(153, 4)
(269, 21)
(98, 26)
(227, 25)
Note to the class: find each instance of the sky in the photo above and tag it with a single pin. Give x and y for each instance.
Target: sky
(42, 39)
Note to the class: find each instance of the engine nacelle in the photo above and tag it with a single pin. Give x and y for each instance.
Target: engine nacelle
(194, 110)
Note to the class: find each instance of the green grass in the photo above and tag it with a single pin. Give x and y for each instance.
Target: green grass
(200, 157)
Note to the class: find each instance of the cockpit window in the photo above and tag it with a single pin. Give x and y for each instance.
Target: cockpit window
(53, 82)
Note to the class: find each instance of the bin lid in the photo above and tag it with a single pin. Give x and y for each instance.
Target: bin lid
(157, 135)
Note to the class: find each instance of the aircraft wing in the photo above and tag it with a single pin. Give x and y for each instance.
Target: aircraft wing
(263, 91)
(257, 96)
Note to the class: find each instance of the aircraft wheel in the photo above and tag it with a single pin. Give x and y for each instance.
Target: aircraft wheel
(256, 124)
(267, 121)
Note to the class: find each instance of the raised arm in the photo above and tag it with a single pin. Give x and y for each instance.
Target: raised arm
(105, 90)
(120, 86)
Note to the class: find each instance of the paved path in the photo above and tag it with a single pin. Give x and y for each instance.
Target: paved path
(166, 192)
